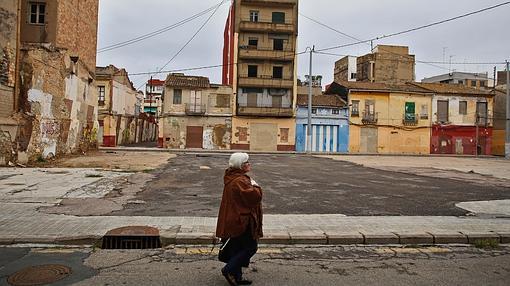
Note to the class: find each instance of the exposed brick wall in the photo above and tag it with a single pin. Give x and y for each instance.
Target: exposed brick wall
(8, 27)
(77, 29)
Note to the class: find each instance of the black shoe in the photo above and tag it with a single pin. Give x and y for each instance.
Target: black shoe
(243, 281)
(230, 278)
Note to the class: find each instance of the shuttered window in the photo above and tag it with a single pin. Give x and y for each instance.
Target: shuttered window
(442, 111)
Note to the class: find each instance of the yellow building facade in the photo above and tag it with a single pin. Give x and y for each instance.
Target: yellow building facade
(387, 119)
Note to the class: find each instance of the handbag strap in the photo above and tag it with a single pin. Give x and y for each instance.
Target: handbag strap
(225, 244)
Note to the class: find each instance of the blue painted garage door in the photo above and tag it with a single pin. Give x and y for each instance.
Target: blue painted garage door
(325, 138)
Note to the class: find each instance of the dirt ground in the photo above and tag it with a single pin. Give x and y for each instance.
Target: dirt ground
(113, 160)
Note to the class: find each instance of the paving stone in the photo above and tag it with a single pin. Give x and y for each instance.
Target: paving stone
(168, 236)
(504, 237)
(308, 238)
(415, 238)
(345, 238)
(275, 237)
(194, 238)
(473, 237)
(382, 238)
(449, 238)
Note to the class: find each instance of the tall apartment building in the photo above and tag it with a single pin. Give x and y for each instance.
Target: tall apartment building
(386, 64)
(260, 64)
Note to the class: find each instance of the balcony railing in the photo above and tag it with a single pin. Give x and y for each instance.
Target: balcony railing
(266, 81)
(248, 52)
(195, 109)
(271, 111)
(483, 121)
(369, 118)
(410, 119)
(267, 26)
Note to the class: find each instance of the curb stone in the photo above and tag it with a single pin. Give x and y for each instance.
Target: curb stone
(387, 238)
(449, 238)
(415, 238)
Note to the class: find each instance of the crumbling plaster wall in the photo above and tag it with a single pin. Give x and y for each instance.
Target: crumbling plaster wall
(60, 99)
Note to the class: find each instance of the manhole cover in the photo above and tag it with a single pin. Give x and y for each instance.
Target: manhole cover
(39, 275)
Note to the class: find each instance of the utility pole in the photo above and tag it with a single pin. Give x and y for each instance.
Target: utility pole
(477, 132)
(150, 95)
(507, 142)
(309, 131)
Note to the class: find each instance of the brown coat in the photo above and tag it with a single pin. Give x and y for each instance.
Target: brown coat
(240, 206)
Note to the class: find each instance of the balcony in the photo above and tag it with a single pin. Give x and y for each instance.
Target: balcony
(195, 109)
(271, 2)
(369, 118)
(265, 82)
(410, 119)
(265, 111)
(261, 53)
(268, 26)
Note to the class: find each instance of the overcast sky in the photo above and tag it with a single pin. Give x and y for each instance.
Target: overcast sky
(478, 38)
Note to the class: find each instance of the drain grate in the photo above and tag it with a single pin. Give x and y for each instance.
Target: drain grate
(39, 275)
(132, 237)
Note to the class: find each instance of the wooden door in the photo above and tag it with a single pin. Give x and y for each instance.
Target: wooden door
(194, 136)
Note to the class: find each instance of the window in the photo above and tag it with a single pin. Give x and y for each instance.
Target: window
(253, 43)
(242, 133)
(277, 72)
(37, 13)
(252, 71)
(335, 111)
(279, 17)
(442, 111)
(355, 108)
(424, 113)
(254, 16)
(177, 96)
(410, 114)
(278, 44)
(463, 107)
(276, 101)
(473, 83)
(222, 100)
(461, 82)
(353, 75)
(314, 110)
(284, 135)
(370, 107)
(482, 83)
(101, 98)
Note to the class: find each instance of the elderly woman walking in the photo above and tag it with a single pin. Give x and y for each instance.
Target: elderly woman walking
(240, 218)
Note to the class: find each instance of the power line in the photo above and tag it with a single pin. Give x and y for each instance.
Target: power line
(190, 40)
(157, 32)
(201, 67)
(416, 28)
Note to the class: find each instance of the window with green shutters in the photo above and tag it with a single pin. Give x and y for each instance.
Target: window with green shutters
(410, 111)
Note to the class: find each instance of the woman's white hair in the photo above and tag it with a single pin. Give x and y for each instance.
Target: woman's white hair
(237, 160)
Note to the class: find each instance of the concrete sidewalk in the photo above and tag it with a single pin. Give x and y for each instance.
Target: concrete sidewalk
(21, 223)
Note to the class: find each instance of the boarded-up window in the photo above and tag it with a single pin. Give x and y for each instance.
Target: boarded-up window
(276, 101)
(284, 135)
(242, 134)
(222, 100)
(442, 111)
(463, 107)
(252, 99)
(424, 113)
(481, 113)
